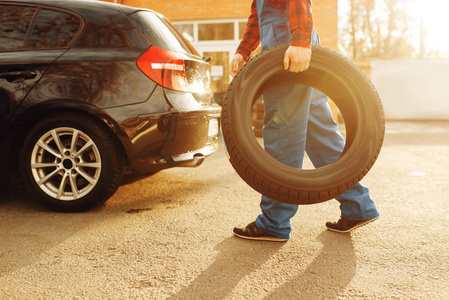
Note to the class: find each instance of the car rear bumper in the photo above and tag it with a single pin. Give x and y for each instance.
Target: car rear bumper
(192, 159)
(186, 138)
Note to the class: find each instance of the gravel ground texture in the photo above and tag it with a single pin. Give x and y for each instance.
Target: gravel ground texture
(169, 236)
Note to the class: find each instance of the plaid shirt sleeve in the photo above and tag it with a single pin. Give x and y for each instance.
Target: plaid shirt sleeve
(251, 37)
(299, 13)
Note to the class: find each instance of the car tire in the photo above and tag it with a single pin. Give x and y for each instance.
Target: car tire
(340, 80)
(85, 169)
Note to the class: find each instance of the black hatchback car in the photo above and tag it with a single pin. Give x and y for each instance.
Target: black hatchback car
(91, 90)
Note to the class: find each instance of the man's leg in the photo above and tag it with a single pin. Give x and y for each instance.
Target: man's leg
(324, 146)
(285, 129)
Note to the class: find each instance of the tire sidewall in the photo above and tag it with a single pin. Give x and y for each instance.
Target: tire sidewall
(363, 117)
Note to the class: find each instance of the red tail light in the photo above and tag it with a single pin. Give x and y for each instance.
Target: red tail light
(164, 67)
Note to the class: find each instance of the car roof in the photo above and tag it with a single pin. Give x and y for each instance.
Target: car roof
(97, 16)
(79, 6)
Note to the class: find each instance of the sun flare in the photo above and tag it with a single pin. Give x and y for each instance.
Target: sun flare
(434, 16)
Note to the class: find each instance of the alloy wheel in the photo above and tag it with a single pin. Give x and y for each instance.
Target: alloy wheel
(65, 163)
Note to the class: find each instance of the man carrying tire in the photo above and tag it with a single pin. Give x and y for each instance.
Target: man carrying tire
(297, 118)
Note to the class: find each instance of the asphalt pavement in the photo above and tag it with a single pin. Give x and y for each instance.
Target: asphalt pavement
(169, 236)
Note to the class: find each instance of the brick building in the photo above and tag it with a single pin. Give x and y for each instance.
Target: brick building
(325, 13)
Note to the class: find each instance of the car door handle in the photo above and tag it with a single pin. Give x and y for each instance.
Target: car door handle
(18, 76)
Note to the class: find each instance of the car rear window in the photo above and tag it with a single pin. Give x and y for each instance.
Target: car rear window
(14, 23)
(53, 29)
(160, 32)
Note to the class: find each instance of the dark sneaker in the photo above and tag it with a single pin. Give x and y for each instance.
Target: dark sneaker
(252, 232)
(344, 225)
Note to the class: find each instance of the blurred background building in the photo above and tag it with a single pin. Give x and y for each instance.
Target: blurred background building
(386, 38)
(215, 27)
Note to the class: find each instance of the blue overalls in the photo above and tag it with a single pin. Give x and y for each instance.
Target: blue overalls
(298, 119)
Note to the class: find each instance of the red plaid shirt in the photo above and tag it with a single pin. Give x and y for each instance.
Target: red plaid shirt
(299, 14)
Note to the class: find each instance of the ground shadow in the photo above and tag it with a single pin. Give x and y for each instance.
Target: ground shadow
(237, 258)
(15, 195)
(28, 229)
(328, 275)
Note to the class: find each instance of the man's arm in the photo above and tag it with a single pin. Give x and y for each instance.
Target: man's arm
(251, 37)
(299, 13)
(249, 43)
(298, 55)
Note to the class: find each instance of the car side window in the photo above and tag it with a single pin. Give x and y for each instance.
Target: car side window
(14, 23)
(53, 29)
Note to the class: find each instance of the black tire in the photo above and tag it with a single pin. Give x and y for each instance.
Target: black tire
(70, 178)
(336, 77)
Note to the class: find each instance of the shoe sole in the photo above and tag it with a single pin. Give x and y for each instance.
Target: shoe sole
(354, 227)
(262, 238)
